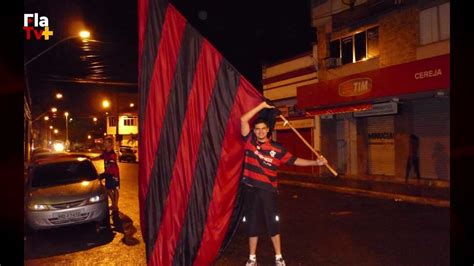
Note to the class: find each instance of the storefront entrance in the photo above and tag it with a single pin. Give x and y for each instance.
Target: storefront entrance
(381, 148)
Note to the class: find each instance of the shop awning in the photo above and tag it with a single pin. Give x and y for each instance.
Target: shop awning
(413, 77)
(341, 109)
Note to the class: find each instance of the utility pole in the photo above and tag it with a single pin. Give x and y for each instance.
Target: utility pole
(66, 143)
(117, 141)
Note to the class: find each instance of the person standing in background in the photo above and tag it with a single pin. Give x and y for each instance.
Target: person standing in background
(111, 173)
(413, 157)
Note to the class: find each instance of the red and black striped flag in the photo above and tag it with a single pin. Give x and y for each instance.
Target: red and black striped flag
(191, 150)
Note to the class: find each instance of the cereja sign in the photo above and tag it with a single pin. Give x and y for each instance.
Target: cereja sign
(428, 73)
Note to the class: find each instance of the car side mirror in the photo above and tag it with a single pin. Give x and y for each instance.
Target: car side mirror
(102, 176)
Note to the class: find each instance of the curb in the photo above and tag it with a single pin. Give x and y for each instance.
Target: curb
(368, 193)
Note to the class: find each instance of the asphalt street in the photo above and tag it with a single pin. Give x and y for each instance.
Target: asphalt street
(318, 228)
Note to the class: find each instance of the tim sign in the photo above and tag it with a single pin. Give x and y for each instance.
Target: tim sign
(355, 87)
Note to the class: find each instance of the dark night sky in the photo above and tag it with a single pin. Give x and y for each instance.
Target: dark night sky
(248, 33)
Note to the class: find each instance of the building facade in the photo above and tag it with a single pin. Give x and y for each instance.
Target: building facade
(127, 129)
(384, 74)
(280, 83)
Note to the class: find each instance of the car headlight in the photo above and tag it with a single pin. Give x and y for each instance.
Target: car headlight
(58, 147)
(97, 198)
(38, 207)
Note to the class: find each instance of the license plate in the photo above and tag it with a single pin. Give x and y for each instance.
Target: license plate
(68, 215)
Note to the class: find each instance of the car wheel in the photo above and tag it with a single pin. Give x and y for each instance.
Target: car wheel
(104, 224)
(29, 232)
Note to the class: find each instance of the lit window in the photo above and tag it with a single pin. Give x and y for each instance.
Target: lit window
(347, 50)
(130, 121)
(358, 47)
(435, 24)
(373, 42)
(112, 121)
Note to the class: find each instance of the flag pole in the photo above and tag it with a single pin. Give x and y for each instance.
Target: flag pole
(286, 122)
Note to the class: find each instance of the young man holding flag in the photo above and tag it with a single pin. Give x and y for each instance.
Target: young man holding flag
(262, 159)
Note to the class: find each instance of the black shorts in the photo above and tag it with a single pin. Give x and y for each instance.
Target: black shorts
(261, 212)
(112, 182)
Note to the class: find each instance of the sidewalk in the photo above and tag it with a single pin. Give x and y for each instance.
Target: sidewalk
(423, 191)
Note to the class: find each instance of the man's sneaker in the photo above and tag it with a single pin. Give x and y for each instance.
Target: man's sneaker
(251, 263)
(280, 262)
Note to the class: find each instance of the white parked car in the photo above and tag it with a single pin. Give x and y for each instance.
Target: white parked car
(65, 191)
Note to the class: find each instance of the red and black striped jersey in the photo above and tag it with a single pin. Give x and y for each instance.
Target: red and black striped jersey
(110, 163)
(262, 160)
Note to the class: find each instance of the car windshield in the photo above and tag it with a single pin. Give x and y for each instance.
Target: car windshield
(40, 150)
(61, 173)
(126, 150)
(42, 156)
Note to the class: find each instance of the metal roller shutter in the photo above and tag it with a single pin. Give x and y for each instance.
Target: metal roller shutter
(381, 149)
(431, 125)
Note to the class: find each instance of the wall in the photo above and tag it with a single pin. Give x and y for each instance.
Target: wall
(403, 129)
(398, 36)
(362, 144)
(398, 43)
(328, 140)
(281, 79)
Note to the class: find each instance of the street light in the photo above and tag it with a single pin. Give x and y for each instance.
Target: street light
(66, 114)
(53, 110)
(83, 35)
(50, 135)
(31, 120)
(106, 104)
